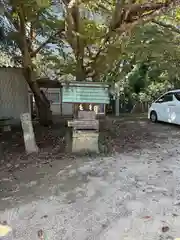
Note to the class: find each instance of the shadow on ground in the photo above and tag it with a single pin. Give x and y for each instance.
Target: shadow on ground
(117, 135)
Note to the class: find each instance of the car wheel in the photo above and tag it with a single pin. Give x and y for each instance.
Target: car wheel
(153, 117)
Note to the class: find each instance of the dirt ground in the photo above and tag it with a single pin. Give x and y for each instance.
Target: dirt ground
(116, 136)
(131, 190)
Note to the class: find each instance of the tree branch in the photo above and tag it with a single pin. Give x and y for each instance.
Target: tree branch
(129, 14)
(168, 26)
(22, 30)
(74, 31)
(35, 52)
(89, 51)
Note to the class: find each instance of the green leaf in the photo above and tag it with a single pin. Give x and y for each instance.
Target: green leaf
(43, 3)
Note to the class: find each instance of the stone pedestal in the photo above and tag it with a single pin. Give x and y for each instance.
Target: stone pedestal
(85, 141)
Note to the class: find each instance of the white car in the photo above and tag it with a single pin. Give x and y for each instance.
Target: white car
(166, 108)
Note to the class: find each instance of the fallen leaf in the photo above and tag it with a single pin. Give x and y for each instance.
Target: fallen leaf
(165, 229)
(4, 230)
(40, 234)
(146, 217)
(4, 223)
(175, 215)
(45, 216)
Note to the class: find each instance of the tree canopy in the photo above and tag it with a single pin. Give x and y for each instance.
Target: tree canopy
(89, 35)
(154, 55)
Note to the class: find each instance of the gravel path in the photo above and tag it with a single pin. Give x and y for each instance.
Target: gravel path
(133, 193)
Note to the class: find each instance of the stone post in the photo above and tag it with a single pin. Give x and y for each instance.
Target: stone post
(28, 132)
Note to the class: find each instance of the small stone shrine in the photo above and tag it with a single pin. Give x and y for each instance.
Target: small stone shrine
(87, 98)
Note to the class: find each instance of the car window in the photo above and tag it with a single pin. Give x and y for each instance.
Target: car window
(177, 95)
(166, 98)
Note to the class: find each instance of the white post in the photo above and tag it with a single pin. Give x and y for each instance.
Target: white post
(28, 132)
(117, 105)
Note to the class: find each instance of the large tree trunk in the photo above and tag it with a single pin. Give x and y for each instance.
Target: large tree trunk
(80, 71)
(43, 105)
(44, 112)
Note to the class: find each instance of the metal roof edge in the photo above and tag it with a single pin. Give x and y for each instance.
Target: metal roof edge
(77, 83)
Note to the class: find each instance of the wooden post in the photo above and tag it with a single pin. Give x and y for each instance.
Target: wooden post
(28, 132)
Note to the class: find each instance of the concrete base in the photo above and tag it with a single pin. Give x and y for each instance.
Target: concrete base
(85, 141)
